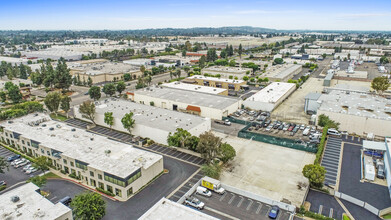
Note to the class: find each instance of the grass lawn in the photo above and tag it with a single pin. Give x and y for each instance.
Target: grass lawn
(51, 175)
(58, 117)
(388, 216)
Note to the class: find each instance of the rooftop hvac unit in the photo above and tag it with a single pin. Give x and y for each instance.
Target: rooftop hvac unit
(15, 198)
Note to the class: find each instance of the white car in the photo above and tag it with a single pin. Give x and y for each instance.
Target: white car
(203, 191)
(25, 168)
(15, 161)
(19, 162)
(196, 203)
(31, 170)
(22, 164)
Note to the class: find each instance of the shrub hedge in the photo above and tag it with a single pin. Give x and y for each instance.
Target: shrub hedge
(105, 191)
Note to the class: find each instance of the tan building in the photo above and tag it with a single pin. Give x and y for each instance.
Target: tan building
(103, 71)
(230, 84)
(226, 71)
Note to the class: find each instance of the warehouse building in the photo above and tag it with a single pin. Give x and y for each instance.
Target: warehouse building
(226, 72)
(270, 97)
(202, 104)
(26, 202)
(197, 88)
(99, 162)
(150, 122)
(311, 103)
(357, 112)
(230, 84)
(166, 209)
(87, 41)
(103, 71)
(282, 72)
(15, 61)
(54, 54)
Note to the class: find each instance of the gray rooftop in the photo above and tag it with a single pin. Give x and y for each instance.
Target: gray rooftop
(359, 104)
(150, 116)
(82, 145)
(189, 97)
(312, 96)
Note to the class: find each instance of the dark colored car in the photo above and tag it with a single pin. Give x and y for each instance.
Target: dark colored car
(13, 157)
(296, 128)
(266, 123)
(281, 127)
(66, 200)
(273, 213)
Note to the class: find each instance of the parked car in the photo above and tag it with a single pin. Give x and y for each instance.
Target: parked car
(22, 164)
(269, 128)
(281, 127)
(31, 170)
(291, 127)
(266, 123)
(203, 191)
(273, 213)
(25, 168)
(196, 203)
(252, 118)
(286, 126)
(297, 127)
(333, 131)
(20, 161)
(66, 200)
(276, 125)
(344, 133)
(257, 127)
(380, 172)
(313, 129)
(302, 127)
(3, 183)
(306, 131)
(16, 161)
(13, 157)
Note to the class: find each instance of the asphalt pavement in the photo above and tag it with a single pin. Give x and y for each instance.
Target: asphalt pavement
(324, 204)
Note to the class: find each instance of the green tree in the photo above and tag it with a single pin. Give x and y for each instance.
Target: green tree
(227, 152)
(3, 96)
(65, 103)
(120, 87)
(88, 205)
(87, 110)
(62, 77)
(380, 84)
(315, 174)
(109, 119)
(128, 121)
(109, 89)
(94, 92)
(127, 77)
(3, 165)
(14, 94)
(278, 61)
(41, 163)
(179, 138)
(212, 170)
(89, 81)
(384, 60)
(37, 180)
(240, 51)
(202, 61)
(209, 146)
(211, 55)
(324, 120)
(245, 78)
(52, 101)
(142, 68)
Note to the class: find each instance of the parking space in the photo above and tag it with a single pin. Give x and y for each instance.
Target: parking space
(176, 154)
(290, 132)
(324, 204)
(330, 160)
(13, 175)
(240, 206)
(186, 187)
(116, 135)
(77, 123)
(352, 139)
(350, 184)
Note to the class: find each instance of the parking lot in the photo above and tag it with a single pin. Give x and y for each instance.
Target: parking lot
(176, 154)
(324, 204)
(77, 123)
(112, 134)
(239, 206)
(13, 175)
(330, 160)
(186, 187)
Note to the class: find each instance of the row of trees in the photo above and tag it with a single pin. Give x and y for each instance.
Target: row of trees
(22, 71)
(109, 89)
(54, 100)
(11, 92)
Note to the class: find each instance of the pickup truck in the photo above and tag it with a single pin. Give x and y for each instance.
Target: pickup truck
(196, 203)
(225, 122)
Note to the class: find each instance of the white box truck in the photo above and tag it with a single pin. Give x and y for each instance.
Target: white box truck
(212, 184)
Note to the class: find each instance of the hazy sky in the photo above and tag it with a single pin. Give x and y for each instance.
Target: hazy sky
(119, 14)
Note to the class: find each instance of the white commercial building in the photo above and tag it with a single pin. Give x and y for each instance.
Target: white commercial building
(139, 62)
(87, 41)
(202, 104)
(270, 97)
(196, 88)
(14, 61)
(26, 202)
(282, 72)
(166, 209)
(226, 72)
(151, 122)
(55, 54)
(98, 162)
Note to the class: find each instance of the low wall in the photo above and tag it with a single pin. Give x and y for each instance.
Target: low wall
(187, 151)
(190, 192)
(358, 202)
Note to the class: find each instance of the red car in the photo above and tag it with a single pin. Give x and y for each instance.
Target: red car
(291, 128)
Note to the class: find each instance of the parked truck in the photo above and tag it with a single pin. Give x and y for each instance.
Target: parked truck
(225, 122)
(212, 184)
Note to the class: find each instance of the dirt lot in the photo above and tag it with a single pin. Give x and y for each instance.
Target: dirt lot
(371, 68)
(265, 169)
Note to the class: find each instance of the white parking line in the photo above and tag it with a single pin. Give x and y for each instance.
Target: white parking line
(221, 199)
(240, 202)
(259, 208)
(320, 209)
(249, 205)
(268, 210)
(232, 199)
(331, 212)
(53, 198)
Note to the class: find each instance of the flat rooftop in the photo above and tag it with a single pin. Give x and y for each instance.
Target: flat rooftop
(225, 69)
(359, 104)
(150, 116)
(31, 205)
(188, 97)
(166, 209)
(272, 93)
(105, 68)
(82, 145)
(282, 71)
(196, 88)
(232, 81)
(13, 60)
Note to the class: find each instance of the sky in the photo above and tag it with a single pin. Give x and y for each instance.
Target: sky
(142, 14)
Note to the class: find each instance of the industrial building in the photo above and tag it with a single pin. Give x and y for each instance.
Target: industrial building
(282, 72)
(202, 104)
(357, 112)
(226, 72)
(270, 97)
(99, 162)
(197, 88)
(230, 84)
(311, 103)
(166, 209)
(87, 41)
(15, 61)
(54, 54)
(26, 202)
(139, 62)
(103, 71)
(150, 122)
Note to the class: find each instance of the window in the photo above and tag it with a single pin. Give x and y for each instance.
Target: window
(6, 134)
(91, 173)
(110, 188)
(65, 161)
(22, 141)
(42, 151)
(130, 191)
(48, 153)
(101, 185)
(73, 171)
(118, 192)
(93, 183)
(133, 178)
(28, 144)
(115, 181)
(99, 176)
(72, 164)
(81, 166)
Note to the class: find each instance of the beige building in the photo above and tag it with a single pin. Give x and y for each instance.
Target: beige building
(282, 72)
(230, 84)
(97, 161)
(226, 71)
(26, 202)
(197, 88)
(103, 71)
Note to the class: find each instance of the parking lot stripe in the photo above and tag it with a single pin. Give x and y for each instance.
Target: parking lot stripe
(53, 198)
(222, 197)
(259, 208)
(331, 213)
(240, 202)
(221, 213)
(249, 204)
(320, 209)
(232, 199)
(268, 210)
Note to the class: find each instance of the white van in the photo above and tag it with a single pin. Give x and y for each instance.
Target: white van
(203, 191)
(333, 131)
(306, 131)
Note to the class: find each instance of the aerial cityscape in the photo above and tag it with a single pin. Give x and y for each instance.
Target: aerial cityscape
(163, 110)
